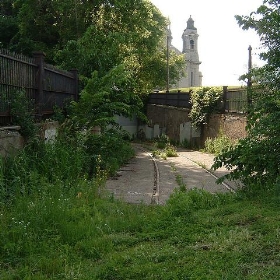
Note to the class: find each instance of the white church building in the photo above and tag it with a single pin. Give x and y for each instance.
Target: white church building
(193, 77)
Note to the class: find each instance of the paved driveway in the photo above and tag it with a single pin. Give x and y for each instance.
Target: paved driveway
(135, 182)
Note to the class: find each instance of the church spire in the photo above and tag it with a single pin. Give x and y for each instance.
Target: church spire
(190, 23)
(190, 50)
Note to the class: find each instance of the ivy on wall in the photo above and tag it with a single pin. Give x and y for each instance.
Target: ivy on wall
(205, 101)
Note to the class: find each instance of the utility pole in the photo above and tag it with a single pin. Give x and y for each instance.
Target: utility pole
(249, 83)
(168, 39)
(250, 67)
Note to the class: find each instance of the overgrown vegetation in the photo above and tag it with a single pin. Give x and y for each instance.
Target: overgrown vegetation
(22, 114)
(56, 220)
(68, 232)
(255, 159)
(205, 101)
(93, 36)
(162, 147)
(218, 144)
(72, 159)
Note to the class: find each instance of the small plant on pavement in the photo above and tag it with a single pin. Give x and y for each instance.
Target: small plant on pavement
(218, 144)
(163, 147)
(162, 141)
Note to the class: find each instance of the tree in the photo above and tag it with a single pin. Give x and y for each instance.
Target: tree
(121, 55)
(92, 36)
(8, 23)
(100, 37)
(128, 31)
(106, 96)
(255, 160)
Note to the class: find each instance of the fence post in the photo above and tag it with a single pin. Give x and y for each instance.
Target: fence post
(76, 83)
(39, 58)
(224, 98)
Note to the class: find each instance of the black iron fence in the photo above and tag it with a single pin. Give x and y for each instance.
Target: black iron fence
(44, 85)
(233, 101)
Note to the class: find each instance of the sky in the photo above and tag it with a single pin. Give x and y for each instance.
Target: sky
(222, 44)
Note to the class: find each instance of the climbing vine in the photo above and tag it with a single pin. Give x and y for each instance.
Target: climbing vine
(205, 101)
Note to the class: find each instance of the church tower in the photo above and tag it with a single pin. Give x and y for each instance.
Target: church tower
(193, 75)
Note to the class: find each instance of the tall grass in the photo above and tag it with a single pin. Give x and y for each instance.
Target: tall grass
(56, 223)
(49, 197)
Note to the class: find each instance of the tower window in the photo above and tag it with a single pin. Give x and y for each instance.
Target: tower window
(192, 79)
(192, 44)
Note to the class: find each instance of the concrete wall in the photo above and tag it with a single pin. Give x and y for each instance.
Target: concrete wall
(11, 140)
(129, 125)
(171, 121)
(168, 118)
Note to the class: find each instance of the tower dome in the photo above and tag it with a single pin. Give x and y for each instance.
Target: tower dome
(190, 24)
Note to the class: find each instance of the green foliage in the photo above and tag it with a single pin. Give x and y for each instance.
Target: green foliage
(64, 231)
(163, 148)
(265, 21)
(108, 150)
(162, 141)
(170, 151)
(72, 158)
(107, 96)
(205, 101)
(116, 37)
(93, 36)
(21, 112)
(218, 144)
(255, 159)
(58, 115)
(185, 203)
(181, 183)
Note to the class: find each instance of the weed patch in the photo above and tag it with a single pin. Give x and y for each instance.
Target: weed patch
(59, 223)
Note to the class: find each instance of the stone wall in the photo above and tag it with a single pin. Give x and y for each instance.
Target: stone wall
(176, 123)
(168, 118)
(10, 140)
(231, 125)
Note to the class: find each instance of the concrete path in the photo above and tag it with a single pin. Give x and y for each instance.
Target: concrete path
(135, 182)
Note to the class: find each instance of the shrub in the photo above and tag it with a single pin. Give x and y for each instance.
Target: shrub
(162, 141)
(170, 151)
(21, 111)
(218, 144)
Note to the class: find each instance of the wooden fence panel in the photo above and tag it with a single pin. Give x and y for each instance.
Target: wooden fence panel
(171, 99)
(45, 86)
(17, 72)
(234, 100)
(59, 88)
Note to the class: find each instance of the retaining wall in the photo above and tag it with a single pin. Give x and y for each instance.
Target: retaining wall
(176, 124)
(11, 140)
(168, 118)
(232, 125)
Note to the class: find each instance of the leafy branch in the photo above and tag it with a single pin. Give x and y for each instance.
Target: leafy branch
(205, 101)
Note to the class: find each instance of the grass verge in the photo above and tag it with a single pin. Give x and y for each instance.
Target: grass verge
(57, 222)
(196, 235)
